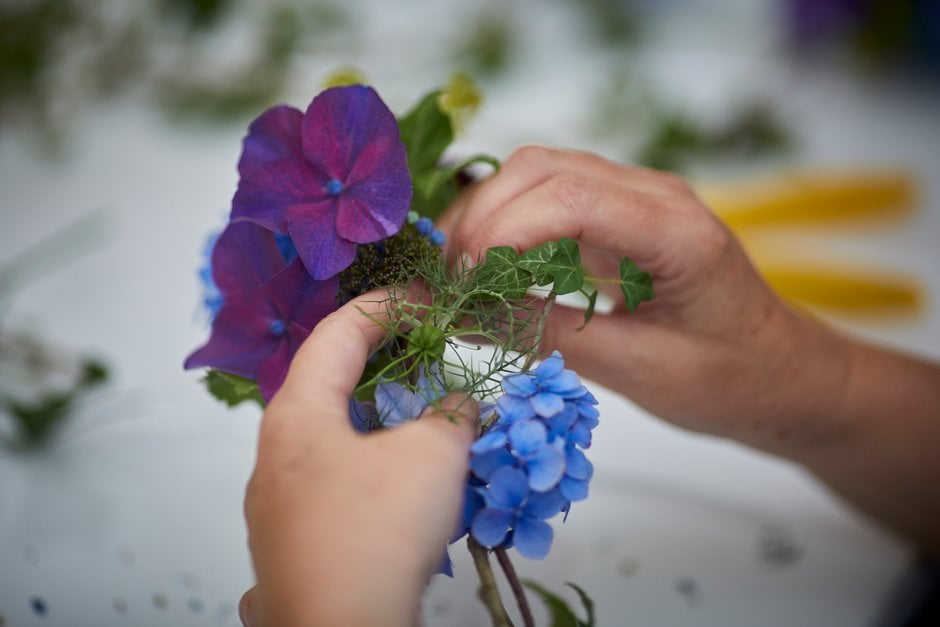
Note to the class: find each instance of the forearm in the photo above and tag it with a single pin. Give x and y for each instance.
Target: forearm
(876, 437)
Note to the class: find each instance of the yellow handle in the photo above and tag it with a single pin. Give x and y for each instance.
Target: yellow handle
(809, 198)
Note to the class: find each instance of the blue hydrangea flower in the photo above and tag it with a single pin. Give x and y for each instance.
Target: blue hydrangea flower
(532, 456)
(515, 513)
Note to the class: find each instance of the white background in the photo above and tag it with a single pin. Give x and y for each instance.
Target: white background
(139, 500)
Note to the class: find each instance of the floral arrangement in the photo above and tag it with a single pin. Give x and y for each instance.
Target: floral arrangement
(339, 200)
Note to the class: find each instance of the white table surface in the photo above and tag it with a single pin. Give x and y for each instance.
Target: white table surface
(133, 515)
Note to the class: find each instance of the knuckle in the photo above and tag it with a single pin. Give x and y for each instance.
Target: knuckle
(527, 157)
(574, 193)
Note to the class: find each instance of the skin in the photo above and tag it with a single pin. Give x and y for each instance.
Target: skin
(717, 351)
(345, 529)
(364, 518)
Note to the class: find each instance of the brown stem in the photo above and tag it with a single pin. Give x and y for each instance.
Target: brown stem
(539, 330)
(510, 571)
(488, 593)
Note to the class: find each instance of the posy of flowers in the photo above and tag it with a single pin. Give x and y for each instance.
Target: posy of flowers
(339, 200)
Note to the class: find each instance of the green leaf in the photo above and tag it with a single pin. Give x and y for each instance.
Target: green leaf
(565, 267)
(636, 285)
(560, 614)
(232, 389)
(589, 310)
(586, 601)
(500, 273)
(426, 132)
(533, 261)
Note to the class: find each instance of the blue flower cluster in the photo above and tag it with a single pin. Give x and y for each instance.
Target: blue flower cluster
(530, 464)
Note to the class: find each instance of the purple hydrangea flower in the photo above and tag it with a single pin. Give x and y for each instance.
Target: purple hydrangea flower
(268, 309)
(333, 177)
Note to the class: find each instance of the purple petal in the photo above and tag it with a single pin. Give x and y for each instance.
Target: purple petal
(273, 135)
(485, 464)
(364, 220)
(545, 468)
(264, 195)
(298, 298)
(550, 367)
(244, 256)
(508, 488)
(491, 440)
(573, 489)
(577, 464)
(313, 229)
(544, 505)
(340, 123)
(532, 538)
(527, 436)
(519, 385)
(273, 370)
(396, 404)
(546, 404)
(240, 340)
(490, 525)
(513, 408)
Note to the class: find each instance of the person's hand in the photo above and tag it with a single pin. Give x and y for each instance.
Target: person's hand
(345, 529)
(710, 351)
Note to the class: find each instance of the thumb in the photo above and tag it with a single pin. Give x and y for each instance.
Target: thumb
(457, 415)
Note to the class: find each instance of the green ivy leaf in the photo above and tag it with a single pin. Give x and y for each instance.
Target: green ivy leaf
(426, 132)
(636, 285)
(232, 389)
(565, 267)
(500, 273)
(560, 613)
(589, 310)
(533, 261)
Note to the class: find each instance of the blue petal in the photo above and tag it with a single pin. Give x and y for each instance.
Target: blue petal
(545, 468)
(396, 404)
(472, 503)
(485, 464)
(580, 435)
(508, 488)
(489, 441)
(577, 465)
(573, 489)
(544, 504)
(526, 436)
(586, 410)
(445, 567)
(550, 367)
(532, 538)
(364, 418)
(559, 424)
(564, 382)
(519, 385)
(490, 525)
(547, 404)
(513, 408)
(431, 388)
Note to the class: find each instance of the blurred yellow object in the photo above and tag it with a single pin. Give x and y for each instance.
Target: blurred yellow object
(846, 291)
(807, 200)
(812, 198)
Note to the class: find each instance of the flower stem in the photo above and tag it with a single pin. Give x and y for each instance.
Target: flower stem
(517, 591)
(488, 592)
(539, 330)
